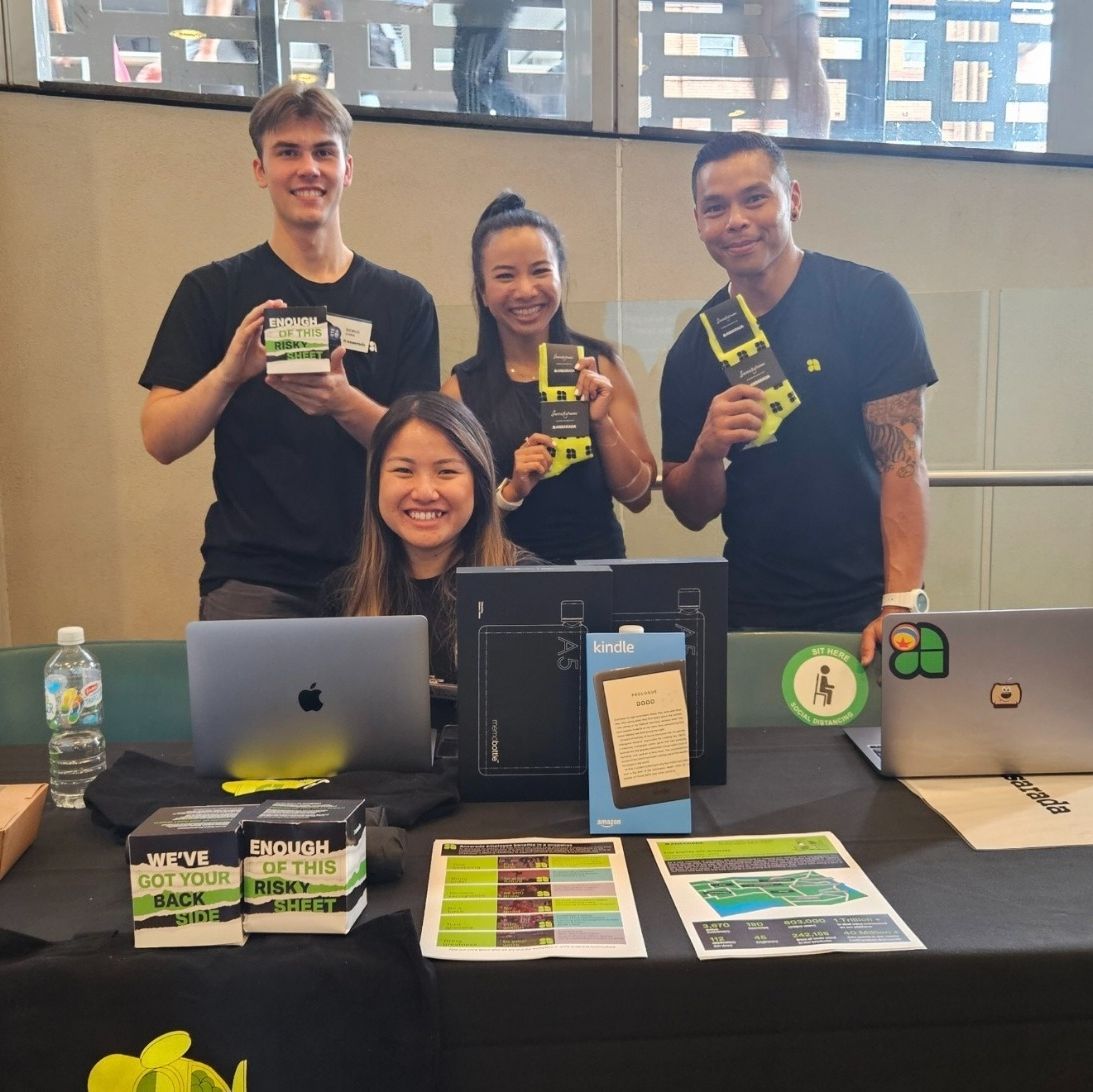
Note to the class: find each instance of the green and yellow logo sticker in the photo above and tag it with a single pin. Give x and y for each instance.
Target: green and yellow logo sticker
(918, 649)
(825, 685)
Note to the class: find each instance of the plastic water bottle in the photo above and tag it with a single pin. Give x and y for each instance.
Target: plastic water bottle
(77, 748)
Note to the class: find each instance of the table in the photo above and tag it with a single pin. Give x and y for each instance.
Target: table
(1001, 999)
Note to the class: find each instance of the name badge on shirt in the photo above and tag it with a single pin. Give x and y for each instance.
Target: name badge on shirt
(356, 334)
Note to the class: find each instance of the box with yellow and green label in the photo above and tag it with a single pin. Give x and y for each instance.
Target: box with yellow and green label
(185, 875)
(304, 869)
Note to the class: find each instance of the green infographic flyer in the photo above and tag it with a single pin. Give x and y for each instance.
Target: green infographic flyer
(530, 898)
(776, 895)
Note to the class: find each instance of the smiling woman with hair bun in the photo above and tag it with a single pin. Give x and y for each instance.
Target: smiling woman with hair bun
(519, 264)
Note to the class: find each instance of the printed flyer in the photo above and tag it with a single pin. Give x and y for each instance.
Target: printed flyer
(530, 898)
(784, 894)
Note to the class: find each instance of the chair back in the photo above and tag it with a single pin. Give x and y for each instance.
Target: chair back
(146, 692)
(764, 691)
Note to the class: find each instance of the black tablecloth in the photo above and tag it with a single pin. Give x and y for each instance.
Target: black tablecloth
(1001, 998)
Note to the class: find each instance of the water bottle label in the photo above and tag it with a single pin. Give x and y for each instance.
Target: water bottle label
(68, 705)
(91, 694)
(55, 685)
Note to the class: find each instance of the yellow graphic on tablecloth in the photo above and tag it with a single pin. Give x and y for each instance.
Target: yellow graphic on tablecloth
(162, 1067)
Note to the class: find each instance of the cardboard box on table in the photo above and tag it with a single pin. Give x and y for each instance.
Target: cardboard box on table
(685, 595)
(522, 715)
(20, 814)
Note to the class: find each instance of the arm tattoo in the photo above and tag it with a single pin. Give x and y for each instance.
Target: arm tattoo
(894, 429)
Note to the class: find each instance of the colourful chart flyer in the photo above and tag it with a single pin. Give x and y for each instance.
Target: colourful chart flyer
(777, 895)
(530, 898)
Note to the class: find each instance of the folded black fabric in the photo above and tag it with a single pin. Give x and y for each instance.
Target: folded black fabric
(302, 1012)
(124, 795)
(136, 784)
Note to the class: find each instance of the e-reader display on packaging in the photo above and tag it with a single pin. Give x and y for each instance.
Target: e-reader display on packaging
(643, 721)
(689, 620)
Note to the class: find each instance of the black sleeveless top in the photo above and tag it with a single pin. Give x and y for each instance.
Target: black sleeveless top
(563, 518)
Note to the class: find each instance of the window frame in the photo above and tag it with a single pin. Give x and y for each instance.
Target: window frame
(613, 96)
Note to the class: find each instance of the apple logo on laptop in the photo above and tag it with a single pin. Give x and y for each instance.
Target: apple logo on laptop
(309, 699)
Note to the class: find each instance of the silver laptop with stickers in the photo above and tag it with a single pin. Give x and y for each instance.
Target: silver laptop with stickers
(984, 692)
(308, 697)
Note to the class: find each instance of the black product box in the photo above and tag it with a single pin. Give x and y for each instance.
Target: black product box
(522, 693)
(688, 595)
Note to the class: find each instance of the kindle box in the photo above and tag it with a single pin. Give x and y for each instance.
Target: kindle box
(522, 694)
(685, 595)
(638, 743)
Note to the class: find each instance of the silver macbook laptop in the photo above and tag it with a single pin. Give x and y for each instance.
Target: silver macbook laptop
(984, 692)
(309, 697)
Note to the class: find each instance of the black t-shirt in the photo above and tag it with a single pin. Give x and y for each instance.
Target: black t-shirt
(802, 516)
(564, 518)
(289, 487)
(428, 594)
(428, 601)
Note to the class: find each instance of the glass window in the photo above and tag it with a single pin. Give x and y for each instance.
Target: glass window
(974, 73)
(494, 57)
(210, 48)
(977, 74)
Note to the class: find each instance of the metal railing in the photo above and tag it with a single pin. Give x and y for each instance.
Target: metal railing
(1010, 477)
(992, 478)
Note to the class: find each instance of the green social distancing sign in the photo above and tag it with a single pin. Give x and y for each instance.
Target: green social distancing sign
(825, 685)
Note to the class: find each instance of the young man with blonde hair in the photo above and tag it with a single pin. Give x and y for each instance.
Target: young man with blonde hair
(290, 450)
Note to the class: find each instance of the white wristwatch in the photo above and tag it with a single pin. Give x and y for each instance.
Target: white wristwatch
(915, 600)
(503, 502)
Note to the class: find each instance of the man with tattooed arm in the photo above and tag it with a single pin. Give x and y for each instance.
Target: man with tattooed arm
(826, 523)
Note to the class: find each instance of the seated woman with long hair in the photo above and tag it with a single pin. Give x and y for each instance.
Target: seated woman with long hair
(429, 506)
(519, 264)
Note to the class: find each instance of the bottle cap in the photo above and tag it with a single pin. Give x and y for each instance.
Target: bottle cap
(631, 629)
(70, 635)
